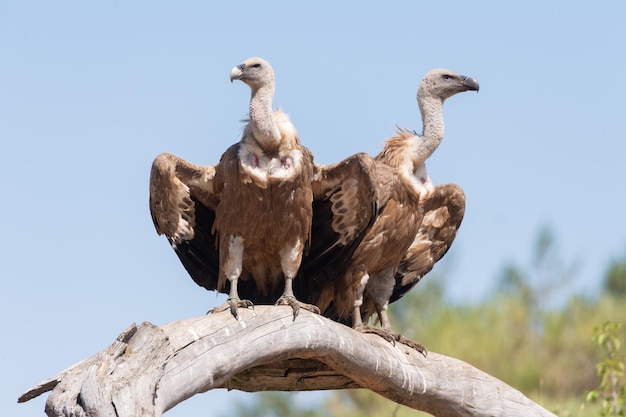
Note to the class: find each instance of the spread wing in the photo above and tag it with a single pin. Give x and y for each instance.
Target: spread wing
(345, 204)
(183, 197)
(443, 213)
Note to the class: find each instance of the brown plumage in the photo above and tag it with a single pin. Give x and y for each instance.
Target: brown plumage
(380, 251)
(345, 204)
(257, 205)
(260, 193)
(416, 224)
(443, 209)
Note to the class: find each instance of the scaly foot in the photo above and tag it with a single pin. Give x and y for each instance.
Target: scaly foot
(393, 337)
(296, 305)
(385, 334)
(412, 344)
(232, 304)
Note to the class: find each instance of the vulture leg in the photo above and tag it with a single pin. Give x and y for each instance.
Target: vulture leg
(290, 258)
(233, 302)
(386, 327)
(357, 320)
(289, 299)
(389, 335)
(230, 267)
(379, 291)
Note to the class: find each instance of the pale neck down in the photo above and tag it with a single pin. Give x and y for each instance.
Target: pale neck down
(262, 123)
(431, 110)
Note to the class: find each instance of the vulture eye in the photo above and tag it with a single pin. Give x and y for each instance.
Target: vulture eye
(257, 65)
(446, 77)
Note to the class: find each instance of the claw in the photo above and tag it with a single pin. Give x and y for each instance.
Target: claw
(412, 344)
(393, 337)
(387, 335)
(232, 304)
(296, 305)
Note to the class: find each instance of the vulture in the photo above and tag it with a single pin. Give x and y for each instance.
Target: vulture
(416, 224)
(245, 225)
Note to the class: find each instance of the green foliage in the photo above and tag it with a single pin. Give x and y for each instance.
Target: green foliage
(612, 390)
(615, 279)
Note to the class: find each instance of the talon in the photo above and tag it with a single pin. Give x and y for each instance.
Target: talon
(232, 304)
(392, 337)
(387, 335)
(412, 344)
(296, 305)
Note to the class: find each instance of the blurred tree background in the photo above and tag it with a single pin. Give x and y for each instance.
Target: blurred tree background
(522, 334)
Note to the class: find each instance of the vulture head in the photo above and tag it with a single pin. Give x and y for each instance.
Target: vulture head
(442, 84)
(255, 71)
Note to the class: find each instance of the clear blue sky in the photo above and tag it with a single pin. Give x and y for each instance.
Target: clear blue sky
(91, 93)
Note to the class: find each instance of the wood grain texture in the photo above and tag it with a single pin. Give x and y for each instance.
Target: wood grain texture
(149, 369)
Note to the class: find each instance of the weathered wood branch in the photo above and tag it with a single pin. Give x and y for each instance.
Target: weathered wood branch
(149, 369)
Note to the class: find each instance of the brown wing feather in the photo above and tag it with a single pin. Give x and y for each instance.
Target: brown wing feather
(180, 192)
(384, 244)
(443, 212)
(173, 183)
(345, 204)
(182, 205)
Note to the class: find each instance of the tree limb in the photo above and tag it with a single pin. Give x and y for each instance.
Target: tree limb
(149, 369)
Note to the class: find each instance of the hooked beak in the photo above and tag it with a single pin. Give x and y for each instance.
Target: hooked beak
(237, 72)
(469, 83)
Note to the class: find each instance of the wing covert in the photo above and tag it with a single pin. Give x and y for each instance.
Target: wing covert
(443, 213)
(345, 205)
(182, 204)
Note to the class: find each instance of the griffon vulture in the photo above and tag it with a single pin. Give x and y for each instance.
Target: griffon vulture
(416, 224)
(242, 226)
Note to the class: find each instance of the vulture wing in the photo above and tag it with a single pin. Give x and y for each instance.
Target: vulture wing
(183, 198)
(345, 205)
(443, 213)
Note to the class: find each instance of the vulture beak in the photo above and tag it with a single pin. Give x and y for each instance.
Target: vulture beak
(468, 82)
(237, 72)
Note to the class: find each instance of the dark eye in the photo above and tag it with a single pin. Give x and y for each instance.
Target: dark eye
(256, 65)
(446, 77)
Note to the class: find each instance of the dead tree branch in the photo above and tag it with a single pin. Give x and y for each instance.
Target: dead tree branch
(149, 369)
